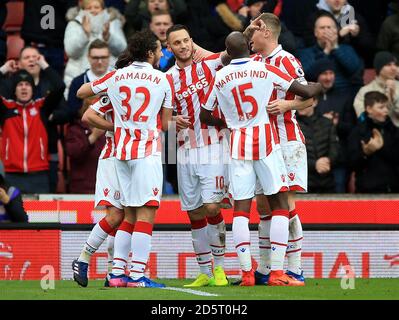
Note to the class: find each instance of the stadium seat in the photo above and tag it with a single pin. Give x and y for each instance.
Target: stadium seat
(368, 75)
(15, 16)
(14, 45)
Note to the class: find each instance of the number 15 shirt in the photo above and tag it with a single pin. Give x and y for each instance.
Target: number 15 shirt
(137, 93)
(243, 90)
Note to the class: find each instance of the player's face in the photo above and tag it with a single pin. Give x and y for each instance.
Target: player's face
(156, 5)
(327, 79)
(378, 112)
(28, 61)
(157, 55)
(159, 25)
(23, 91)
(180, 43)
(389, 71)
(258, 41)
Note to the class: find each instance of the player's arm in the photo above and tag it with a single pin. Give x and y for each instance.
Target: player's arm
(85, 91)
(166, 118)
(305, 91)
(96, 120)
(281, 106)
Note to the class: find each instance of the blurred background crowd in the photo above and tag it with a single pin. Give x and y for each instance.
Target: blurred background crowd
(46, 53)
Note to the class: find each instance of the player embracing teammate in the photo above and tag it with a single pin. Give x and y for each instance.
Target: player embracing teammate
(281, 109)
(200, 167)
(243, 90)
(138, 94)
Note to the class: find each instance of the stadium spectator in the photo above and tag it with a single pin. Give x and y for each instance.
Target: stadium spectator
(347, 64)
(389, 32)
(3, 35)
(43, 27)
(25, 141)
(352, 27)
(11, 206)
(373, 148)
(46, 80)
(322, 149)
(83, 145)
(220, 21)
(138, 12)
(254, 8)
(161, 21)
(99, 59)
(385, 65)
(336, 106)
(92, 21)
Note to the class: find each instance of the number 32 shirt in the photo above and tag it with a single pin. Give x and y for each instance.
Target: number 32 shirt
(137, 94)
(243, 90)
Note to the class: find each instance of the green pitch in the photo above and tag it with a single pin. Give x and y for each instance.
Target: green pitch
(330, 289)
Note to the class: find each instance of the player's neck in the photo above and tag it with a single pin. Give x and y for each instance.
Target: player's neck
(267, 50)
(183, 64)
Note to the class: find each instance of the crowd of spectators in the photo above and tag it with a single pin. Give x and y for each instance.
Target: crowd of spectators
(351, 47)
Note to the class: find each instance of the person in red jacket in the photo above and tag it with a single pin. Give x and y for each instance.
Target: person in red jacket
(25, 141)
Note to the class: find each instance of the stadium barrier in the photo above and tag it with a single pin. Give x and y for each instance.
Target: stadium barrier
(362, 234)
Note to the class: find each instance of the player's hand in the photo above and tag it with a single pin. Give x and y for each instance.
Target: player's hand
(95, 135)
(10, 66)
(182, 122)
(323, 165)
(256, 25)
(278, 107)
(4, 197)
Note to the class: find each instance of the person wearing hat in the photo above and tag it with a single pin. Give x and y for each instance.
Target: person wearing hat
(386, 67)
(25, 141)
(11, 207)
(336, 106)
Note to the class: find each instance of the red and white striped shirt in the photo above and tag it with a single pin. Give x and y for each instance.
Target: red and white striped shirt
(287, 125)
(243, 89)
(137, 94)
(104, 107)
(191, 84)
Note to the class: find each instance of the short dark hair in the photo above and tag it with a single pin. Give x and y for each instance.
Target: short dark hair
(176, 27)
(373, 97)
(98, 44)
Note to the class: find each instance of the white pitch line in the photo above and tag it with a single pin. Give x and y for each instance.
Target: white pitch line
(196, 292)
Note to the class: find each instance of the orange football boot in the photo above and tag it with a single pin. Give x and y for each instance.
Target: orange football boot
(279, 278)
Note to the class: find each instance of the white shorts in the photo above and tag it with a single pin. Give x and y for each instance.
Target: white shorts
(201, 176)
(141, 181)
(269, 171)
(108, 192)
(296, 166)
